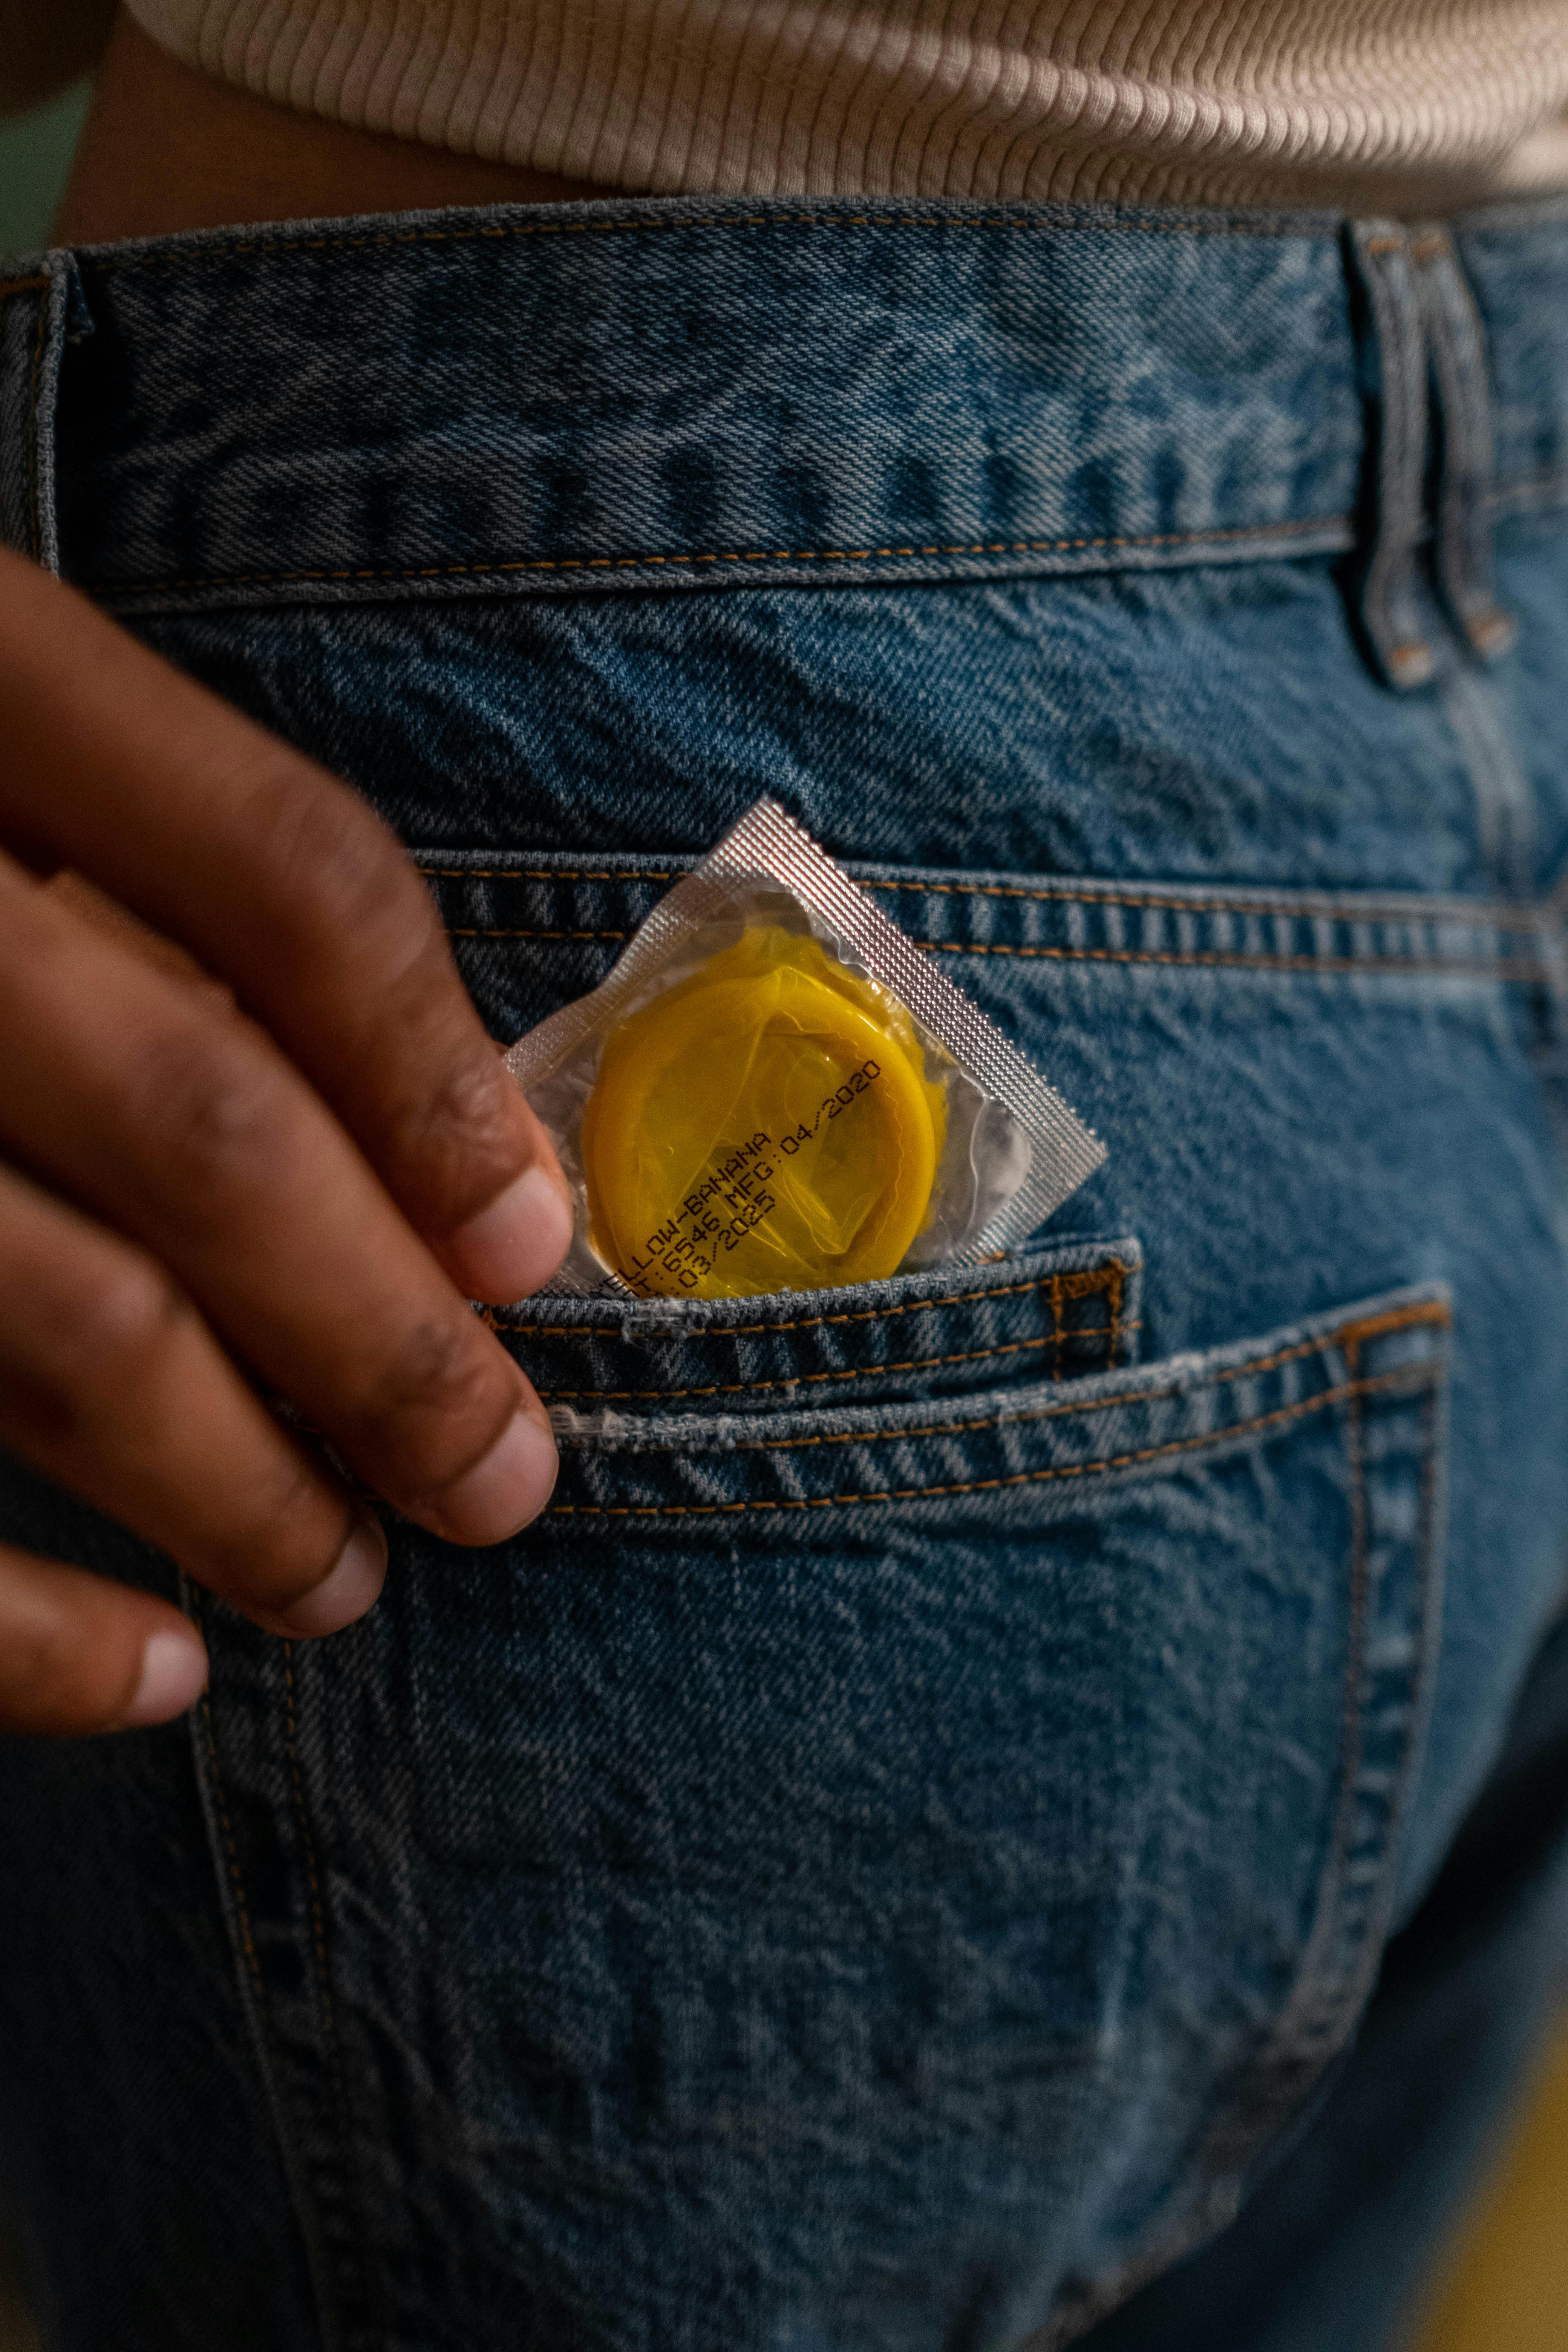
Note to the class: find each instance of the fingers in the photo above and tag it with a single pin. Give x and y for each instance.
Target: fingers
(79, 1655)
(110, 1383)
(182, 1127)
(284, 882)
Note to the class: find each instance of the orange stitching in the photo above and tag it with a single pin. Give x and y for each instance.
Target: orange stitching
(1305, 903)
(805, 1323)
(1482, 967)
(232, 1850)
(1534, 487)
(1398, 1318)
(22, 286)
(1179, 227)
(1056, 1338)
(527, 874)
(751, 555)
(265, 2024)
(1480, 913)
(318, 1924)
(1001, 1420)
(988, 1486)
(1428, 247)
(316, 1920)
(452, 933)
(1355, 1705)
(1385, 245)
(1349, 1335)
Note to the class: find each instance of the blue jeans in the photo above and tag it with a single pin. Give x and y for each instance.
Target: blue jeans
(898, 1858)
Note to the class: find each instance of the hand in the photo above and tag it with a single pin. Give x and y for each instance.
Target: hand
(297, 1178)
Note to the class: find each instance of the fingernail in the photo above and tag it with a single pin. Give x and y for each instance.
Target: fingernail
(350, 1586)
(515, 1245)
(173, 1677)
(510, 1486)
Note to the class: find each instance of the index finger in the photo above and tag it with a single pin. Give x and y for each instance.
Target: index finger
(285, 883)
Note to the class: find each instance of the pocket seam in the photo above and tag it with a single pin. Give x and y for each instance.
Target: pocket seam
(1115, 1330)
(1344, 905)
(1410, 1377)
(1503, 967)
(937, 1301)
(1344, 1335)
(1320, 2012)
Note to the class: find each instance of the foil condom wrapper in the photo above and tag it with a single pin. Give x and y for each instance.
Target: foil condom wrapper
(775, 1089)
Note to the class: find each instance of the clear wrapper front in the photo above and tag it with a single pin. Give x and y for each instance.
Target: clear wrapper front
(776, 1090)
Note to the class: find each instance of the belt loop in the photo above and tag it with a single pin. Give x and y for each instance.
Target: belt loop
(1463, 558)
(33, 305)
(1395, 361)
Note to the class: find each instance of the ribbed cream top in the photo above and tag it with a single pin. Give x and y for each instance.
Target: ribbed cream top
(1399, 105)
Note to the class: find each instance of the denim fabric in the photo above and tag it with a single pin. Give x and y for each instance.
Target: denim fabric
(1336, 2246)
(889, 1861)
(1027, 1317)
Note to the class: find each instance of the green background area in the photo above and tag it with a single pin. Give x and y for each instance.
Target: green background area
(35, 151)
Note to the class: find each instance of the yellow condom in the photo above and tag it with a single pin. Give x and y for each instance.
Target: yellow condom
(765, 1125)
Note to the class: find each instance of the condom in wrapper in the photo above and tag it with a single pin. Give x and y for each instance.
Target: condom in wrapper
(775, 1089)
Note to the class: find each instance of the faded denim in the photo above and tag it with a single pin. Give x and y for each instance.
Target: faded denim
(899, 1853)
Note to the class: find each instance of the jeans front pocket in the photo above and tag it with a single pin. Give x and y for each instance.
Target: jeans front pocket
(852, 1878)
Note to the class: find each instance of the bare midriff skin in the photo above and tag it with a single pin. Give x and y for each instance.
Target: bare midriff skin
(165, 148)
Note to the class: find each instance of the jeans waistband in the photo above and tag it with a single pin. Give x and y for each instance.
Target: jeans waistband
(676, 393)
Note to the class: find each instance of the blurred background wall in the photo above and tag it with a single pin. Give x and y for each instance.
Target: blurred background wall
(35, 156)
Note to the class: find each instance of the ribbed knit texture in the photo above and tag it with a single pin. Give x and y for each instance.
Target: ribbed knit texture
(1376, 104)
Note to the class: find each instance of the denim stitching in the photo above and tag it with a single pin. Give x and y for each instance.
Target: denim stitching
(1343, 908)
(1018, 1478)
(1352, 1710)
(280, 2097)
(454, 933)
(1321, 2000)
(105, 265)
(1004, 1420)
(1527, 492)
(10, 285)
(1278, 2066)
(805, 1323)
(534, 874)
(1114, 1289)
(1505, 804)
(232, 1851)
(751, 555)
(1464, 531)
(319, 1937)
(1500, 917)
(1399, 1318)
(1506, 967)
(1056, 1338)
(1387, 584)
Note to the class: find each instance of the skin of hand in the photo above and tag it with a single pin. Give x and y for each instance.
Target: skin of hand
(278, 1155)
